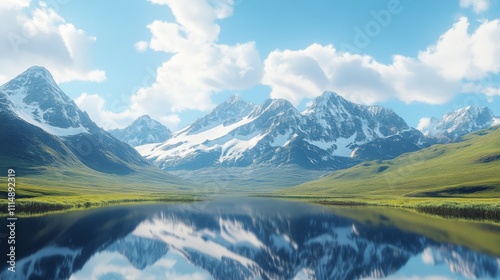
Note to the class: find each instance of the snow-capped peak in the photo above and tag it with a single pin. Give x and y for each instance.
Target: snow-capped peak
(232, 110)
(327, 99)
(455, 124)
(36, 81)
(274, 106)
(145, 120)
(233, 99)
(35, 97)
(143, 130)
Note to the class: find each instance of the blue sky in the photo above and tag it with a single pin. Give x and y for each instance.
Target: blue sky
(175, 60)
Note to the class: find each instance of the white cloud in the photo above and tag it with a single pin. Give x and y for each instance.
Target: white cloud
(94, 105)
(295, 75)
(14, 4)
(141, 46)
(423, 123)
(167, 37)
(188, 79)
(106, 118)
(199, 65)
(37, 35)
(477, 5)
(460, 55)
(197, 18)
(435, 76)
(487, 89)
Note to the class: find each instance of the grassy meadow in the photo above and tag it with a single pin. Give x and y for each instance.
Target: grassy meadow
(51, 188)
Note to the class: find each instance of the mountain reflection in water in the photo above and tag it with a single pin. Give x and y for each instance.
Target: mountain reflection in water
(236, 239)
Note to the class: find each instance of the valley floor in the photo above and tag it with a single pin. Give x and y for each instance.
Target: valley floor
(33, 200)
(53, 203)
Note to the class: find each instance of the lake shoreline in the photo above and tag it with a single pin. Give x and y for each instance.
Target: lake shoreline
(448, 208)
(29, 207)
(463, 209)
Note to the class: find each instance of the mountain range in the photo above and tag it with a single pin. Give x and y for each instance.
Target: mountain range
(43, 126)
(332, 133)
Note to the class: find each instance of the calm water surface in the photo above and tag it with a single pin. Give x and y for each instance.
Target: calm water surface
(252, 239)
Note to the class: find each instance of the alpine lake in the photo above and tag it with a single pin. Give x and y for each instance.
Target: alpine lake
(252, 238)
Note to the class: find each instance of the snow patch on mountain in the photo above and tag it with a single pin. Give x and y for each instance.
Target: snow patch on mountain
(237, 133)
(184, 143)
(452, 126)
(34, 97)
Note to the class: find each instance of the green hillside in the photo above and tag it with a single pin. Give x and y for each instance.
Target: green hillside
(54, 173)
(467, 172)
(56, 188)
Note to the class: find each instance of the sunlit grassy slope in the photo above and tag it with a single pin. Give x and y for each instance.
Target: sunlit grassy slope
(470, 168)
(461, 175)
(54, 188)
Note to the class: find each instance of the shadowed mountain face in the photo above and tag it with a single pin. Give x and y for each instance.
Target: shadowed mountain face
(239, 134)
(248, 239)
(43, 126)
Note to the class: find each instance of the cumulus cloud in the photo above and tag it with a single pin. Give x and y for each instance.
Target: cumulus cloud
(435, 76)
(295, 75)
(199, 65)
(478, 6)
(461, 55)
(188, 79)
(37, 35)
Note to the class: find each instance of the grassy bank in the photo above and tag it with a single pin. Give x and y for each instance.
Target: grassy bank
(49, 204)
(32, 201)
(51, 189)
(457, 208)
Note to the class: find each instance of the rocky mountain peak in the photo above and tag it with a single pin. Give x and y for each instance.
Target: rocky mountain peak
(35, 97)
(144, 130)
(452, 126)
